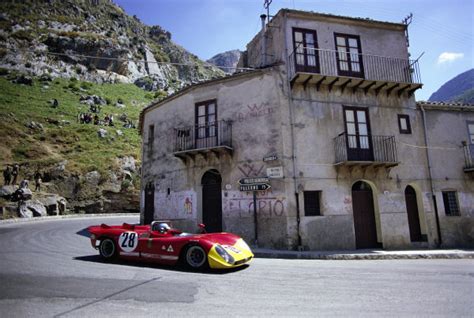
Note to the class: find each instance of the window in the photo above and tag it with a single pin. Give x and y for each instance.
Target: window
(206, 124)
(312, 203)
(305, 50)
(404, 124)
(206, 119)
(151, 137)
(470, 131)
(450, 201)
(349, 55)
(359, 140)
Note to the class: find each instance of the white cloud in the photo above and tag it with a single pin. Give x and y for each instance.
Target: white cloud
(447, 57)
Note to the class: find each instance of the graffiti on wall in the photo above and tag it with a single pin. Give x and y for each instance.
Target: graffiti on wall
(250, 169)
(236, 203)
(176, 205)
(255, 111)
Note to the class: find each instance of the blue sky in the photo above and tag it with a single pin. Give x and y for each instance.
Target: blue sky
(442, 29)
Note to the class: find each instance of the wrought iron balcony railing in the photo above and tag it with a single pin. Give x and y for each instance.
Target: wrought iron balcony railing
(213, 135)
(364, 66)
(468, 158)
(362, 149)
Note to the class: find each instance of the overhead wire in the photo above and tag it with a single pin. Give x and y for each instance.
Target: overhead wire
(207, 65)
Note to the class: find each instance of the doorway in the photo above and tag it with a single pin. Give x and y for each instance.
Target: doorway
(413, 215)
(149, 203)
(364, 216)
(212, 201)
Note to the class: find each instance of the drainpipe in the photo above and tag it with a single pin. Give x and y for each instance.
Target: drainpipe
(293, 146)
(430, 176)
(263, 48)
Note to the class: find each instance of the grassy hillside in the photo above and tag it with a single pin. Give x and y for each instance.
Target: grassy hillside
(62, 136)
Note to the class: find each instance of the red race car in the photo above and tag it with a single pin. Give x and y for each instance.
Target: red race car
(160, 243)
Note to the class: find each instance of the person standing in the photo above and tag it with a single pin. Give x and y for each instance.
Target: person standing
(7, 175)
(15, 173)
(37, 181)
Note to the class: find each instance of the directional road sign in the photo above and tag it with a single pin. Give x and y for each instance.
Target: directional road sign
(245, 181)
(255, 187)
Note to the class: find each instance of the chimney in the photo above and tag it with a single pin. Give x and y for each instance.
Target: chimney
(263, 63)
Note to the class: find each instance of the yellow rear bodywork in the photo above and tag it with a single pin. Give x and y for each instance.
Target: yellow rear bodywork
(239, 251)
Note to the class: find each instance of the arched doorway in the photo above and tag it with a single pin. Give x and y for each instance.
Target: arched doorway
(149, 203)
(364, 215)
(212, 201)
(413, 215)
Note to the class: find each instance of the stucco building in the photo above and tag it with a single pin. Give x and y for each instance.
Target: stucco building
(329, 121)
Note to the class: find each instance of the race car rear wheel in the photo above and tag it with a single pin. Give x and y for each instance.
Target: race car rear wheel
(107, 249)
(195, 257)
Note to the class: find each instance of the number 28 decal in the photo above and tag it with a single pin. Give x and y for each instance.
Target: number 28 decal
(128, 241)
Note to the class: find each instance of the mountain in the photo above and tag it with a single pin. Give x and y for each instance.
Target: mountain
(94, 40)
(459, 89)
(226, 61)
(62, 60)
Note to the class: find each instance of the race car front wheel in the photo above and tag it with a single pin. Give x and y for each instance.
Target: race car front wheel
(196, 257)
(107, 249)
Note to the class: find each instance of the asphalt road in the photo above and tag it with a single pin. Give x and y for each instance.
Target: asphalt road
(47, 269)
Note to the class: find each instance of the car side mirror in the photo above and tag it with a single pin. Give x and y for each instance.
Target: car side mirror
(202, 227)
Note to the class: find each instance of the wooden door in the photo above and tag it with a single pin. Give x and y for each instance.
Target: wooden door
(212, 201)
(149, 203)
(413, 215)
(364, 216)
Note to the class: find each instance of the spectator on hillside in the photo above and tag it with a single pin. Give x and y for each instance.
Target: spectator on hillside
(106, 120)
(37, 181)
(96, 120)
(55, 103)
(7, 175)
(15, 173)
(24, 184)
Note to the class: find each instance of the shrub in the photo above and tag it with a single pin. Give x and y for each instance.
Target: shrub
(86, 85)
(25, 35)
(4, 71)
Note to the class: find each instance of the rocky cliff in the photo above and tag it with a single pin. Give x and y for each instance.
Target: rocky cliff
(226, 61)
(94, 40)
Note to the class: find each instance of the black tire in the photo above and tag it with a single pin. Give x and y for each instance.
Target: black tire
(195, 257)
(107, 249)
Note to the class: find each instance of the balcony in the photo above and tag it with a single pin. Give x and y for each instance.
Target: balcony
(215, 138)
(468, 158)
(353, 71)
(365, 151)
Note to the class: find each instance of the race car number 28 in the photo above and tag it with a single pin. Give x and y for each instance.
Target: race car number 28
(128, 241)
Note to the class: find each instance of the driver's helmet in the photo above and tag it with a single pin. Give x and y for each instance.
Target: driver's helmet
(163, 227)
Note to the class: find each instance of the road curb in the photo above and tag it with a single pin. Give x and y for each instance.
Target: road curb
(429, 254)
(67, 216)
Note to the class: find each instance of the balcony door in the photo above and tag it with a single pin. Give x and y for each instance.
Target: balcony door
(358, 141)
(305, 51)
(206, 124)
(349, 55)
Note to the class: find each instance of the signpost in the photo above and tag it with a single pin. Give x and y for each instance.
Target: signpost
(254, 185)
